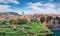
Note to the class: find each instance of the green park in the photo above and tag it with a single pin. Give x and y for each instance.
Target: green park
(23, 28)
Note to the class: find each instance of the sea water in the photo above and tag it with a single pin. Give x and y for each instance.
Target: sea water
(56, 32)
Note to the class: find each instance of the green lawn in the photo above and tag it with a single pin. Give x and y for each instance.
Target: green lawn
(33, 28)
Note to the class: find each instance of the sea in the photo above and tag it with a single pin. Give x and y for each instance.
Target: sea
(56, 32)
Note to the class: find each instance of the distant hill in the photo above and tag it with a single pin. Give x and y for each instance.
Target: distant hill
(9, 13)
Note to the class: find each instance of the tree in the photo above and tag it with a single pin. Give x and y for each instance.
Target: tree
(35, 20)
(42, 19)
(49, 18)
(18, 21)
(2, 22)
(22, 21)
(58, 18)
(15, 21)
(10, 21)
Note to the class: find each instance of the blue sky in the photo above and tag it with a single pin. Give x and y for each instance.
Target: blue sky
(30, 6)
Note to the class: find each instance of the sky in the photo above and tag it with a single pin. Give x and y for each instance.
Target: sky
(30, 6)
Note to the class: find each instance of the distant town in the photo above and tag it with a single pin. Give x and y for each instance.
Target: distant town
(11, 15)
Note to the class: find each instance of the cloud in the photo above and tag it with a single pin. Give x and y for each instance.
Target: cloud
(5, 8)
(45, 8)
(50, 0)
(9, 1)
(35, 4)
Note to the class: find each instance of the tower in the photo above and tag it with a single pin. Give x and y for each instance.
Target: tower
(23, 13)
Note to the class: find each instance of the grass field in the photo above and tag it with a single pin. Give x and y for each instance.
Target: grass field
(37, 29)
